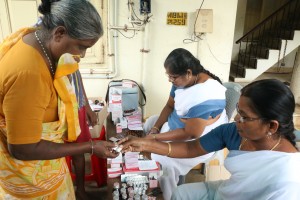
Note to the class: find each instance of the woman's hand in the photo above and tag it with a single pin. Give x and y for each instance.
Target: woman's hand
(104, 149)
(133, 144)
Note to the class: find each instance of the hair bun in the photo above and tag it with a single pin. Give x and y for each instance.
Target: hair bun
(45, 7)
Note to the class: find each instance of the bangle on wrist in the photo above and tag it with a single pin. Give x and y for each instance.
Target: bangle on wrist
(154, 127)
(92, 146)
(170, 149)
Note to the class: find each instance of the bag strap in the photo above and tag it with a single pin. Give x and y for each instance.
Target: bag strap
(144, 96)
(120, 81)
(108, 87)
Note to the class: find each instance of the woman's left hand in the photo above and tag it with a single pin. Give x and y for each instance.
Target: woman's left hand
(104, 149)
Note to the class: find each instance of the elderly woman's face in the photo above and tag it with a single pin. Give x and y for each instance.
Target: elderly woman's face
(63, 43)
(248, 123)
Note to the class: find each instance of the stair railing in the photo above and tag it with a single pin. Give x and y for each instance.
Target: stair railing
(258, 36)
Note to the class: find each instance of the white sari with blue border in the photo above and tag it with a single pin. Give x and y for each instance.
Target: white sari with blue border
(203, 100)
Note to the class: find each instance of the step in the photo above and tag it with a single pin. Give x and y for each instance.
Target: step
(282, 34)
(237, 71)
(293, 25)
(272, 43)
(247, 61)
(258, 51)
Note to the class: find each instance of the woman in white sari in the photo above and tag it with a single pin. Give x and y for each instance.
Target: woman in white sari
(191, 111)
(263, 160)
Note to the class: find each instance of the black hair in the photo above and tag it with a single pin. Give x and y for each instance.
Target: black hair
(271, 99)
(180, 60)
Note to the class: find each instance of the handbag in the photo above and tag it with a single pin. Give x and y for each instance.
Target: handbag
(130, 95)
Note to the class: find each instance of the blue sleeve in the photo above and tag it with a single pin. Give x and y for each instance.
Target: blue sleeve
(172, 92)
(223, 136)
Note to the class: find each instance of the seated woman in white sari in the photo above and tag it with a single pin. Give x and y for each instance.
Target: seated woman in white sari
(263, 160)
(191, 111)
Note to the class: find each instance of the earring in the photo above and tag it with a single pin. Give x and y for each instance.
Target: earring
(269, 134)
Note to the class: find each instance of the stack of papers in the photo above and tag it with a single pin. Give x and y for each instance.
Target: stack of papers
(134, 121)
(115, 169)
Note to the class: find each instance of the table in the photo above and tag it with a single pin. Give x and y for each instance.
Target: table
(111, 132)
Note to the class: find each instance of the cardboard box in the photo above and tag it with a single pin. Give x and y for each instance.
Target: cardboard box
(157, 171)
(102, 115)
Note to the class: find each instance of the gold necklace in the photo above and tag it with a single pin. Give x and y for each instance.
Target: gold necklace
(279, 140)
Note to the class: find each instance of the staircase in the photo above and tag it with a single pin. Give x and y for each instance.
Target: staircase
(267, 43)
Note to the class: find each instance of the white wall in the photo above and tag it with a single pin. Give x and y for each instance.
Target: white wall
(239, 27)
(214, 51)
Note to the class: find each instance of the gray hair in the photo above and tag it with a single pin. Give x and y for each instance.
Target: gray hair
(79, 17)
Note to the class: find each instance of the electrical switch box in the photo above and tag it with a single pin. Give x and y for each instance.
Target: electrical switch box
(145, 6)
(204, 23)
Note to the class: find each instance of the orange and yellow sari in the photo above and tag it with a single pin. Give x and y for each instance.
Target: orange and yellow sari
(42, 179)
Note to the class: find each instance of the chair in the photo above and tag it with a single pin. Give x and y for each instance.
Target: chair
(232, 97)
(214, 167)
(98, 166)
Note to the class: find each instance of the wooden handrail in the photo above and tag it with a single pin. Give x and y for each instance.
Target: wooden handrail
(264, 21)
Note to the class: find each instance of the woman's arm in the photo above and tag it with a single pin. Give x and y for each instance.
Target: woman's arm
(194, 128)
(46, 150)
(223, 136)
(189, 149)
(163, 117)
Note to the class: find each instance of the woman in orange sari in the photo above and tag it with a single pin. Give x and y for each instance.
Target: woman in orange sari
(38, 107)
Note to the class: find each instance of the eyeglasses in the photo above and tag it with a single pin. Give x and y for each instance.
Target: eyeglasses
(245, 119)
(172, 78)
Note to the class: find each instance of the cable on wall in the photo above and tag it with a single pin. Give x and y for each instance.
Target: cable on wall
(194, 36)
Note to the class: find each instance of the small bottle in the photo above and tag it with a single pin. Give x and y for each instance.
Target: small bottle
(116, 195)
(124, 196)
(118, 126)
(137, 197)
(116, 188)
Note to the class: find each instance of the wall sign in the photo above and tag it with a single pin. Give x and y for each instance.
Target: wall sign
(177, 18)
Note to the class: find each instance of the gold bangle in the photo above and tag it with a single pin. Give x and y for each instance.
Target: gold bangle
(156, 128)
(170, 149)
